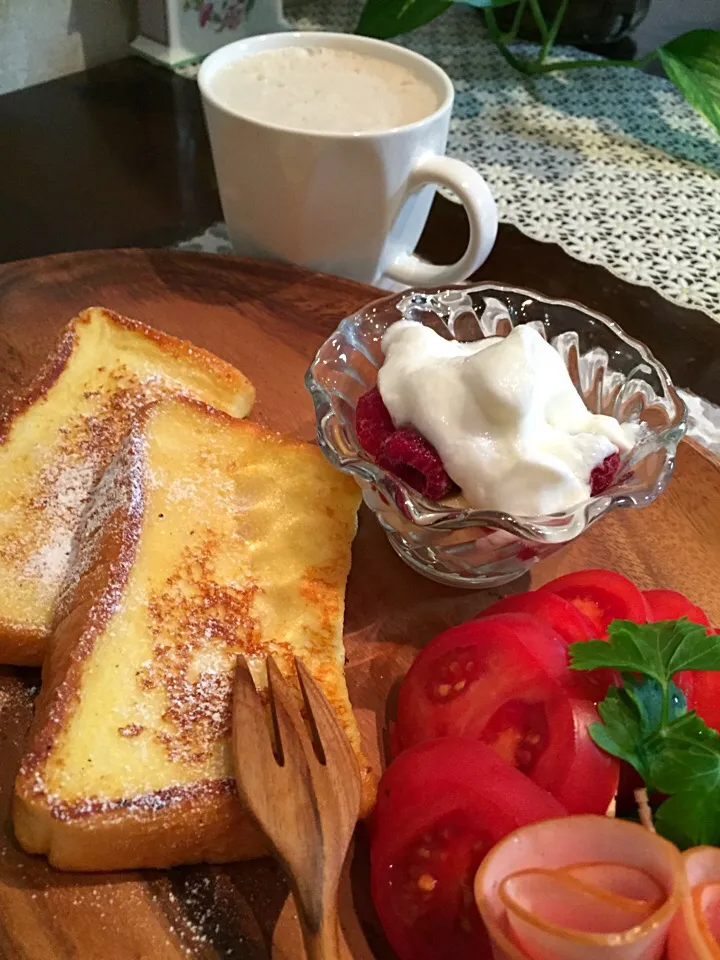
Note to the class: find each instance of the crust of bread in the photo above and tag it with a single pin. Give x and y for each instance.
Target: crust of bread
(198, 821)
(205, 824)
(23, 643)
(227, 375)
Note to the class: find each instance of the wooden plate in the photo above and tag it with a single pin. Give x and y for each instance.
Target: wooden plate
(269, 319)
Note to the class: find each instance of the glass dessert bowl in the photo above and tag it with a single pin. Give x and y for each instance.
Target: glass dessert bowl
(449, 541)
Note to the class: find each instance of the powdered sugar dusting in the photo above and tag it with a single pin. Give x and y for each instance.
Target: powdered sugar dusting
(200, 792)
(68, 485)
(119, 486)
(62, 474)
(199, 624)
(119, 491)
(49, 563)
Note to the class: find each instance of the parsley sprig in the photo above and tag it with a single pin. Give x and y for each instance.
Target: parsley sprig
(646, 721)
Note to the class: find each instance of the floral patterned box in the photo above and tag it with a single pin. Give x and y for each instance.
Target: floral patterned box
(175, 32)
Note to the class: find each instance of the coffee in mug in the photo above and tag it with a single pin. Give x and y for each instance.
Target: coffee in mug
(324, 89)
(328, 149)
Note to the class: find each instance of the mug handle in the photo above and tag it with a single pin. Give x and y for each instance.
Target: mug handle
(481, 210)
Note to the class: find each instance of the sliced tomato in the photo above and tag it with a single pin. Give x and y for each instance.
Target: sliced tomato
(464, 675)
(702, 690)
(441, 806)
(601, 596)
(559, 614)
(548, 741)
(671, 605)
(541, 641)
(479, 681)
(686, 681)
(568, 623)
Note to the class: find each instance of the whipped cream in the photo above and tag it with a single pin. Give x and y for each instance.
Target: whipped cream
(510, 427)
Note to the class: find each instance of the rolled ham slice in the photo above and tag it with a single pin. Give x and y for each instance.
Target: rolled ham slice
(545, 906)
(618, 878)
(561, 901)
(695, 931)
(580, 888)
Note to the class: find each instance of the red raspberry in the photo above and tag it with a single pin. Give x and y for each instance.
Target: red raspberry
(527, 552)
(604, 474)
(373, 423)
(408, 455)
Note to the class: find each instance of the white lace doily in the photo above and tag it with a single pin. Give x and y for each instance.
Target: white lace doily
(612, 163)
(703, 421)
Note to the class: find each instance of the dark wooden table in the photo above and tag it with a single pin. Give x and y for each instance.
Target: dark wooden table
(118, 156)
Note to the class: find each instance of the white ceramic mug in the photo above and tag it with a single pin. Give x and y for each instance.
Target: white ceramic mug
(351, 204)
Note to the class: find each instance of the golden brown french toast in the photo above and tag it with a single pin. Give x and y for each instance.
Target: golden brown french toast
(57, 438)
(206, 538)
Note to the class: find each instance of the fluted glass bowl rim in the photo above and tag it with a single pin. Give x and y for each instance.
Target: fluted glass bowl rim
(557, 527)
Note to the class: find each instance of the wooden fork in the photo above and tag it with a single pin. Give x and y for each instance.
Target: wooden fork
(303, 791)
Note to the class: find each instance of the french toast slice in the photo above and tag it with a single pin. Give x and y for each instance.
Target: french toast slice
(206, 538)
(57, 438)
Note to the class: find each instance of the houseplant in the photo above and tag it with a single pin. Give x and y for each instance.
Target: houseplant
(691, 61)
(587, 23)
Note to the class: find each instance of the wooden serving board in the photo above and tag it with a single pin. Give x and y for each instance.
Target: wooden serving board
(269, 319)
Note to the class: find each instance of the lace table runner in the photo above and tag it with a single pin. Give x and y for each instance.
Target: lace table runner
(611, 164)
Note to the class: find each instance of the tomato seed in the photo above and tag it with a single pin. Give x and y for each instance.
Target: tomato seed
(424, 853)
(427, 883)
(523, 758)
(444, 689)
(460, 685)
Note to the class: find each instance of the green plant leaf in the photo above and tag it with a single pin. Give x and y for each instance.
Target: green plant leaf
(620, 732)
(388, 18)
(634, 716)
(694, 648)
(646, 721)
(692, 62)
(650, 698)
(684, 755)
(690, 818)
(657, 650)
